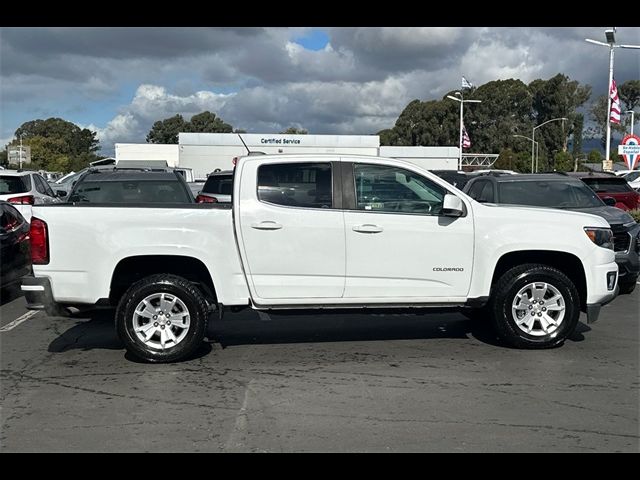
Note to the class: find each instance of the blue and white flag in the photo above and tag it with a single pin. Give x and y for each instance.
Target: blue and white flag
(466, 83)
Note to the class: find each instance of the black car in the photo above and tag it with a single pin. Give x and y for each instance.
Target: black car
(15, 252)
(565, 192)
(113, 185)
(454, 177)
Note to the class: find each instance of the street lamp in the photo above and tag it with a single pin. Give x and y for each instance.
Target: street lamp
(611, 43)
(462, 102)
(534, 136)
(532, 140)
(631, 112)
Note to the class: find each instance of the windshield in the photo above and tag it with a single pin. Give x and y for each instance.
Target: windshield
(220, 184)
(608, 185)
(630, 177)
(131, 192)
(11, 184)
(554, 194)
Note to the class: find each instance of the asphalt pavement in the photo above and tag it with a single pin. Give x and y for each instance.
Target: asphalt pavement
(341, 382)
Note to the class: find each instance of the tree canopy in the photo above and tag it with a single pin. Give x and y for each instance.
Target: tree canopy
(58, 145)
(508, 108)
(166, 131)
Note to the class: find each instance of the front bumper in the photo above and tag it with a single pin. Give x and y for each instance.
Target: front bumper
(38, 294)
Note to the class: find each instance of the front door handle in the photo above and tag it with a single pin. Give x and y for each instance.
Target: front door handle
(267, 225)
(367, 228)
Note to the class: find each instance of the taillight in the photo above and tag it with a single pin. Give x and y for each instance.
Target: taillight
(39, 234)
(234, 161)
(23, 200)
(206, 199)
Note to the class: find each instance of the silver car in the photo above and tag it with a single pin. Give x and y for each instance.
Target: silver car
(218, 188)
(23, 189)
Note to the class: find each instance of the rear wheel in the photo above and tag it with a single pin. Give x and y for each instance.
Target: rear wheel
(534, 306)
(162, 318)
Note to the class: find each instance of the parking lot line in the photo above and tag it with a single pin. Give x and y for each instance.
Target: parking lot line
(18, 321)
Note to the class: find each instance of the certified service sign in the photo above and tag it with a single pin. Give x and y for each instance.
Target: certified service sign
(630, 150)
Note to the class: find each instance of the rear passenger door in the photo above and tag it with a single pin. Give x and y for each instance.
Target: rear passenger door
(291, 230)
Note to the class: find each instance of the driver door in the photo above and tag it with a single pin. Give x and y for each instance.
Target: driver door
(398, 243)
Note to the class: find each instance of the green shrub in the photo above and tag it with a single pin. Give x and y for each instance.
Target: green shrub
(635, 214)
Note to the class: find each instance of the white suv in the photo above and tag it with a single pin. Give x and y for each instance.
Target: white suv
(23, 189)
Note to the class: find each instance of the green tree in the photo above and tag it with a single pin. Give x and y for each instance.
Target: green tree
(600, 116)
(629, 93)
(595, 156)
(558, 97)
(166, 131)
(54, 139)
(295, 131)
(562, 162)
(207, 122)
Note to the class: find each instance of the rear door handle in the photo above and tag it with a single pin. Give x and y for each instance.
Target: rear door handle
(267, 225)
(367, 228)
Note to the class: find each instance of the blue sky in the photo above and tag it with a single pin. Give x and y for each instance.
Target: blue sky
(118, 81)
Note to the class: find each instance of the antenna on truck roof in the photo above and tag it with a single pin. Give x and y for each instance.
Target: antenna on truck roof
(249, 152)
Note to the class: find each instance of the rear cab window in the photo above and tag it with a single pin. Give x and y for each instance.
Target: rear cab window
(608, 185)
(219, 184)
(130, 191)
(10, 184)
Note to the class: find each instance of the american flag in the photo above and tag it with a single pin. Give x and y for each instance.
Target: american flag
(466, 83)
(466, 141)
(614, 116)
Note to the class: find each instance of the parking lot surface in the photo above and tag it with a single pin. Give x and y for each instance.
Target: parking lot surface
(320, 382)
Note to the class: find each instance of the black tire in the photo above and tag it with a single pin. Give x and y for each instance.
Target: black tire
(178, 287)
(504, 293)
(627, 288)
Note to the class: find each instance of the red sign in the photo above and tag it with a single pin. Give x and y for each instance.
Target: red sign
(630, 150)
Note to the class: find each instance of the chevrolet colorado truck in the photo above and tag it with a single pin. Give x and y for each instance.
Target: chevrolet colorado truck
(321, 231)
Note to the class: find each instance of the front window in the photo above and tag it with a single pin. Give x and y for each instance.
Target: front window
(305, 185)
(390, 189)
(556, 194)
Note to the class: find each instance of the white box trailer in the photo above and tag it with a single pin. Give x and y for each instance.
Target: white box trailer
(148, 151)
(431, 158)
(206, 152)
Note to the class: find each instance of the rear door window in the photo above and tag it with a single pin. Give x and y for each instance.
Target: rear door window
(608, 185)
(306, 185)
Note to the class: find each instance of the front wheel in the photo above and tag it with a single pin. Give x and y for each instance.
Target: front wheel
(162, 318)
(534, 306)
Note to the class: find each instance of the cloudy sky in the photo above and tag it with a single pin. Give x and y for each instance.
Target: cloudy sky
(118, 81)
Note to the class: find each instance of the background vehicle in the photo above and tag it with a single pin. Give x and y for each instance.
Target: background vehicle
(24, 189)
(217, 188)
(15, 255)
(321, 231)
(112, 185)
(456, 178)
(607, 185)
(560, 191)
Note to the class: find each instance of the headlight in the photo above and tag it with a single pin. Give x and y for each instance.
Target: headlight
(603, 237)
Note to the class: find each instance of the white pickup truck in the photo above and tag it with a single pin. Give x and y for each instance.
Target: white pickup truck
(321, 231)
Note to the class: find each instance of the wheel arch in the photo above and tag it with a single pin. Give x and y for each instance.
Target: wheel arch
(131, 269)
(567, 263)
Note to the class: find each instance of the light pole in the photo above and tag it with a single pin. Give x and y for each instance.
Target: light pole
(631, 112)
(610, 35)
(534, 136)
(532, 144)
(462, 102)
(20, 154)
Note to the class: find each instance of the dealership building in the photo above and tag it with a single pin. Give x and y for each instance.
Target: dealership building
(206, 152)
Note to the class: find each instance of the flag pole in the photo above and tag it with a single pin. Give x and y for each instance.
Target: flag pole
(608, 143)
(461, 126)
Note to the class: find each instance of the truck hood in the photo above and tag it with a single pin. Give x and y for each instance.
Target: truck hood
(615, 216)
(528, 212)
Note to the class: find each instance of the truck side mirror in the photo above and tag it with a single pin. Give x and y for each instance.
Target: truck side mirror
(452, 206)
(61, 193)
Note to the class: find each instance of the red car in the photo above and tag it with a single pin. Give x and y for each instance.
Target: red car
(616, 188)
